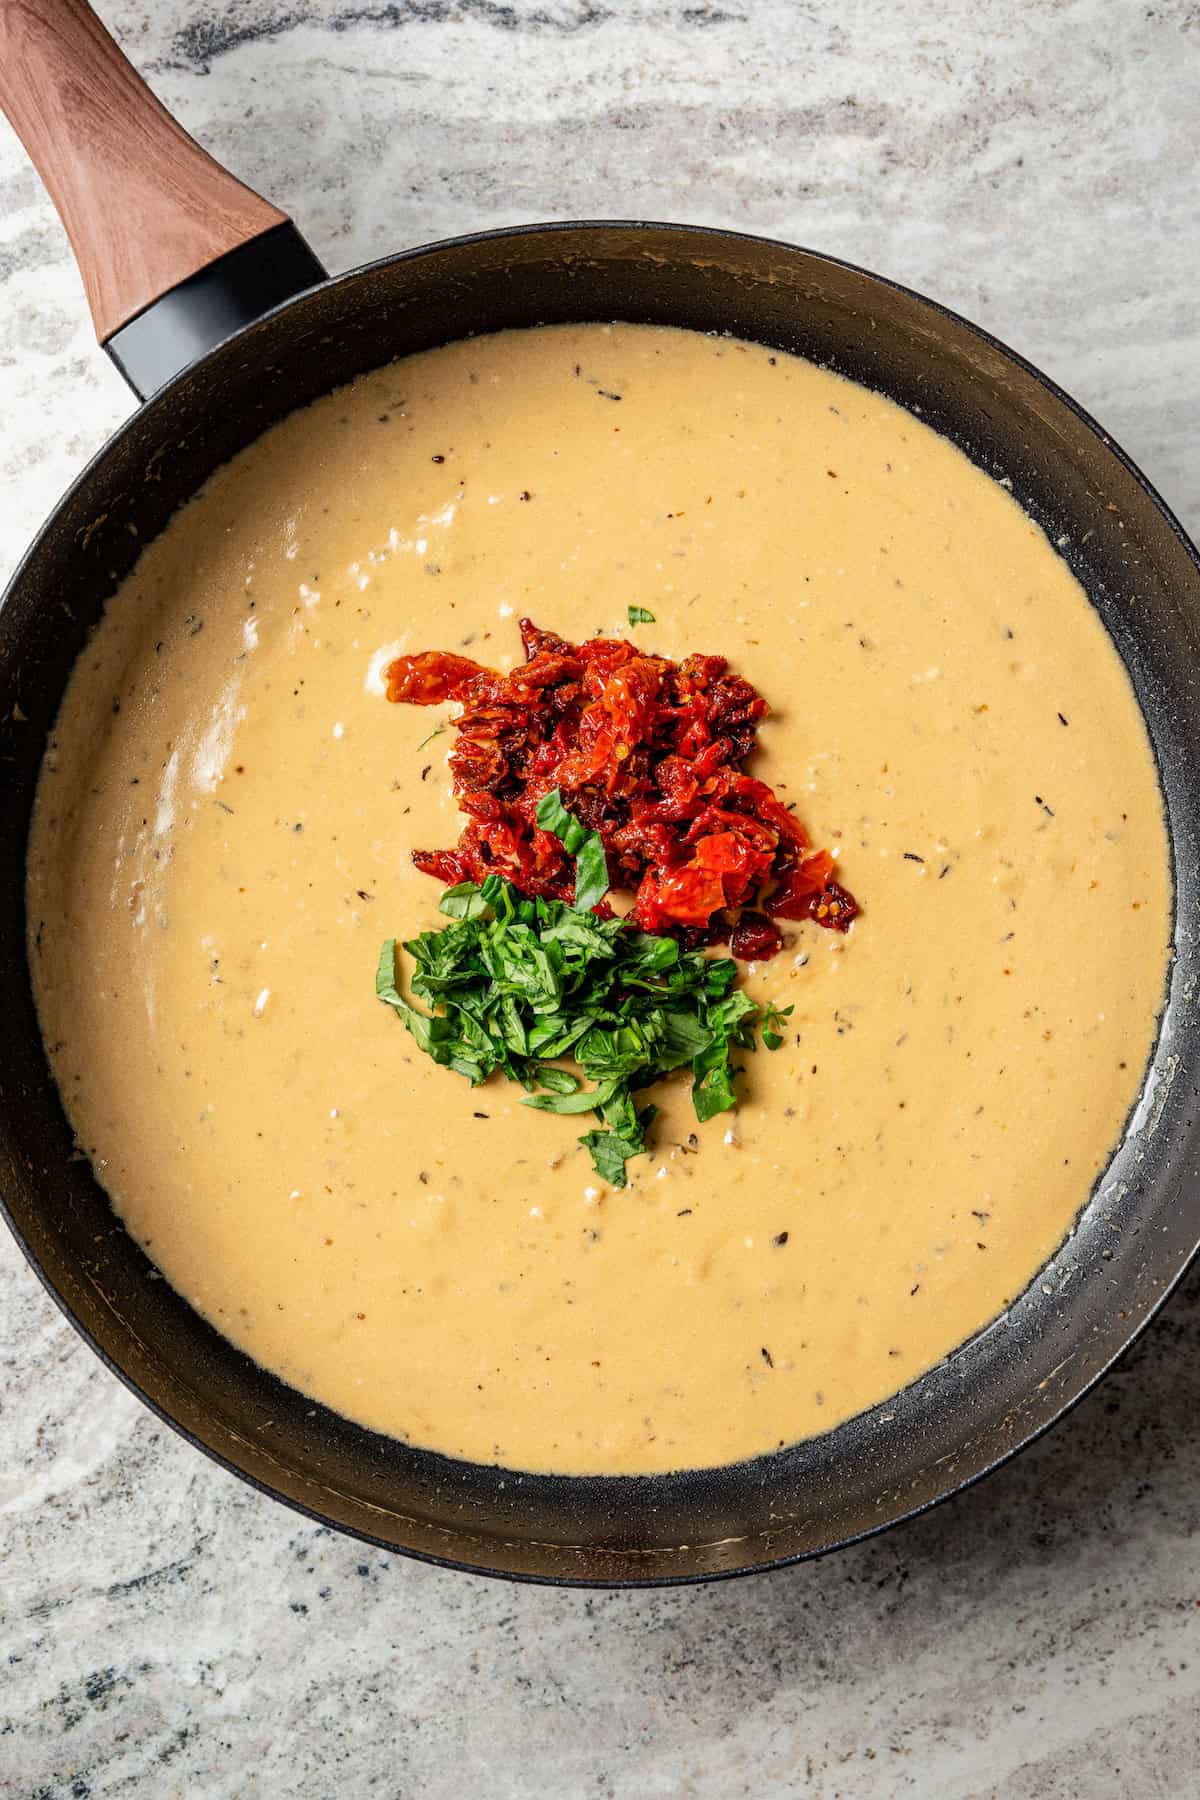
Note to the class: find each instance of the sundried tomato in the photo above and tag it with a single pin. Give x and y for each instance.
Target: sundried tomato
(645, 751)
(755, 937)
(430, 678)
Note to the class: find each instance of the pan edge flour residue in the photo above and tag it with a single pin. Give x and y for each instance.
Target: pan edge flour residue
(222, 836)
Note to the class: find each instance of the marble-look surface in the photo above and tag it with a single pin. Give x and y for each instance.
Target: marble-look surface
(166, 1631)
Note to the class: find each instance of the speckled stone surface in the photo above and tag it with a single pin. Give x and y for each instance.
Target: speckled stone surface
(165, 1631)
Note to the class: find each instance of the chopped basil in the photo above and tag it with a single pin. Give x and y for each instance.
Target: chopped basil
(609, 1154)
(639, 616)
(587, 847)
(772, 1035)
(589, 1101)
(519, 986)
(463, 902)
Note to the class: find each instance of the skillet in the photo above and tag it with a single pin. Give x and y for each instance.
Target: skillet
(222, 320)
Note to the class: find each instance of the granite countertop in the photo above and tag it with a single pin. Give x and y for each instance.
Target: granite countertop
(166, 1631)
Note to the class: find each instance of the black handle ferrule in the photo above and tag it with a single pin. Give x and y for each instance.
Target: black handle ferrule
(190, 320)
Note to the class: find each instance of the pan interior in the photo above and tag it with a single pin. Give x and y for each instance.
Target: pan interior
(956, 1420)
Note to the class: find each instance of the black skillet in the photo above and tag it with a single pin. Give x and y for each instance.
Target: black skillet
(222, 320)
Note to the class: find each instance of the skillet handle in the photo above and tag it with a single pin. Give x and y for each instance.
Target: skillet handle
(174, 251)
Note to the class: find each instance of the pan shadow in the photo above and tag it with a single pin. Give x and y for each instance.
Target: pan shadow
(1081, 1535)
(1076, 1521)
(1132, 1440)
(987, 1648)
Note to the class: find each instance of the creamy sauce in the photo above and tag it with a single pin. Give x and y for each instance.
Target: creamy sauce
(222, 838)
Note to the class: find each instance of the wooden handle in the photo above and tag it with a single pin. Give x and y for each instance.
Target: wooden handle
(144, 206)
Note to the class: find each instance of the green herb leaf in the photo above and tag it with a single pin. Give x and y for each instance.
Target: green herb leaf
(609, 1156)
(639, 616)
(614, 1049)
(553, 816)
(684, 1038)
(436, 732)
(728, 1014)
(559, 1081)
(712, 1088)
(773, 1018)
(591, 873)
(385, 974)
(587, 847)
(432, 1034)
(587, 1101)
(465, 901)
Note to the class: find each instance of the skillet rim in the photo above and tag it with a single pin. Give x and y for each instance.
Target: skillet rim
(549, 229)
